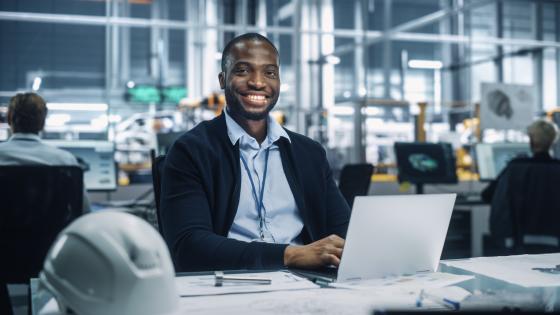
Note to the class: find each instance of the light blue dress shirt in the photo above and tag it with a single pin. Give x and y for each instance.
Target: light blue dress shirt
(282, 220)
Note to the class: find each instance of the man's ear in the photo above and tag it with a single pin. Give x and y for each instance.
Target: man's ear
(222, 79)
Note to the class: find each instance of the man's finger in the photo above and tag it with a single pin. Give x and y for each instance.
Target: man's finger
(336, 251)
(336, 240)
(331, 259)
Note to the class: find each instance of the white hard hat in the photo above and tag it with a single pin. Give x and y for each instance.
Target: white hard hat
(111, 262)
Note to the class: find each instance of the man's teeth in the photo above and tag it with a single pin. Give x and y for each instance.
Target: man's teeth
(258, 98)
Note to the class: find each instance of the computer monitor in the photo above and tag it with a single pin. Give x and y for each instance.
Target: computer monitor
(425, 163)
(492, 158)
(166, 140)
(98, 160)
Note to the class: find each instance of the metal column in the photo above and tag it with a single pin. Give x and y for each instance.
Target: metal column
(360, 89)
(194, 48)
(500, 34)
(387, 48)
(297, 61)
(538, 55)
(557, 12)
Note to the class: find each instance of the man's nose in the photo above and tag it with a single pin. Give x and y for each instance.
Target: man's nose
(256, 81)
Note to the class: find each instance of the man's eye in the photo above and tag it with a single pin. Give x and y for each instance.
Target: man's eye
(241, 71)
(271, 74)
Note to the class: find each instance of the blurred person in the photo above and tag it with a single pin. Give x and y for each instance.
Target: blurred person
(523, 184)
(240, 191)
(26, 117)
(542, 135)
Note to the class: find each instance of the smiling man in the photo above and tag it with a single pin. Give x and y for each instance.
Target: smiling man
(241, 192)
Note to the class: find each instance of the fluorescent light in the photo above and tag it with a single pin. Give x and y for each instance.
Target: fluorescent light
(78, 106)
(130, 84)
(100, 122)
(332, 59)
(342, 110)
(218, 55)
(36, 83)
(57, 119)
(425, 64)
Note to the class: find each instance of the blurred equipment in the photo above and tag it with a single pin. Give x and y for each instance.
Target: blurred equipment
(425, 163)
(97, 158)
(354, 181)
(136, 136)
(166, 140)
(37, 203)
(492, 158)
(85, 121)
(152, 94)
(111, 263)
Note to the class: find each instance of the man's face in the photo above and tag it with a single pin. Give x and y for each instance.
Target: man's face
(251, 81)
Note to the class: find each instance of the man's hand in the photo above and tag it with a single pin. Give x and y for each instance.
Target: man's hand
(324, 252)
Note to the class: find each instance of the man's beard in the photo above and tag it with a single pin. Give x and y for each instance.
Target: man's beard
(236, 108)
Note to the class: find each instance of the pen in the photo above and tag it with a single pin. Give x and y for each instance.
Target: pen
(220, 279)
(438, 299)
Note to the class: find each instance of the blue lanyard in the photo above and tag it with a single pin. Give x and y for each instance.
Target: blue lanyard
(259, 199)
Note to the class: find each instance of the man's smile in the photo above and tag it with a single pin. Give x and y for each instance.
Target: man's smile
(254, 99)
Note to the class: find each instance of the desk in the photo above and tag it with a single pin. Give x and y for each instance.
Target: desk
(489, 294)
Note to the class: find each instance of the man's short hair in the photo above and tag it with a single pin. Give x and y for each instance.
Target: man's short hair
(226, 53)
(27, 113)
(542, 134)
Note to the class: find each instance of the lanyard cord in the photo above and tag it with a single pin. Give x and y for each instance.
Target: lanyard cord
(259, 199)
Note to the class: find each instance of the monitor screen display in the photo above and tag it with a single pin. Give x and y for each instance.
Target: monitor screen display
(425, 163)
(166, 140)
(98, 160)
(492, 158)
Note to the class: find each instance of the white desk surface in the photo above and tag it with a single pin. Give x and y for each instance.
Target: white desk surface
(488, 294)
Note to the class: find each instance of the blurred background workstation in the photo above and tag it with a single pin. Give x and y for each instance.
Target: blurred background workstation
(406, 96)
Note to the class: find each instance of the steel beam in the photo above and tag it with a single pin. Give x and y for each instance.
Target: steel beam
(181, 25)
(428, 19)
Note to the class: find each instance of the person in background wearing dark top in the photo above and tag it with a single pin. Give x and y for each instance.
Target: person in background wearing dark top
(26, 117)
(542, 135)
(240, 191)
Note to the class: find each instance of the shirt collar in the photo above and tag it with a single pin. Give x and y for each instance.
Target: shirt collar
(25, 136)
(235, 131)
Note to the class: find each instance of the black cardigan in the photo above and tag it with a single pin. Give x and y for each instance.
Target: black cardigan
(200, 195)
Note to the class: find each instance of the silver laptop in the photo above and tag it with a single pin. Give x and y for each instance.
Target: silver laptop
(395, 235)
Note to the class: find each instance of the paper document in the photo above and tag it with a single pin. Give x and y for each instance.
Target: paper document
(308, 302)
(51, 308)
(449, 297)
(204, 285)
(513, 269)
(428, 280)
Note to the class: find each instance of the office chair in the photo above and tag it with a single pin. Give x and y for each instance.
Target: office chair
(157, 170)
(36, 203)
(354, 181)
(527, 203)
